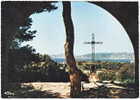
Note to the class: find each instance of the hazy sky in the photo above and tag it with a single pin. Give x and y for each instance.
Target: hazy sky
(87, 19)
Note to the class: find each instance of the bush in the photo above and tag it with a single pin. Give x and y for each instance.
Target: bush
(106, 75)
(41, 71)
(126, 74)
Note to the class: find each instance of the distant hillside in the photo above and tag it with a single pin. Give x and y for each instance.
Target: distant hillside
(108, 56)
(58, 56)
(99, 56)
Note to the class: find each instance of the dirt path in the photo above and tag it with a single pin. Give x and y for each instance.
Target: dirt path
(62, 90)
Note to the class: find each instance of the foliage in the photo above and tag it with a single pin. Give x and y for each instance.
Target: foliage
(23, 34)
(112, 71)
(42, 71)
(19, 55)
(107, 75)
(27, 65)
(15, 30)
(126, 73)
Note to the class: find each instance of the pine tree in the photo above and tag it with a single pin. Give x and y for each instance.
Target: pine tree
(74, 72)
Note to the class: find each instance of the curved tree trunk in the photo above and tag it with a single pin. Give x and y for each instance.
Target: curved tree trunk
(70, 60)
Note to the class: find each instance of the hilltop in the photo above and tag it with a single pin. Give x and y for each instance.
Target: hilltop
(101, 56)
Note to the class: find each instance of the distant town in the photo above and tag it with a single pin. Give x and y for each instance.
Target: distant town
(113, 57)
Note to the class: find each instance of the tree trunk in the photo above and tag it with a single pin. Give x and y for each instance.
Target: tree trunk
(70, 60)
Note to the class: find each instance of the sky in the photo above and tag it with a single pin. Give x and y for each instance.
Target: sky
(87, 19)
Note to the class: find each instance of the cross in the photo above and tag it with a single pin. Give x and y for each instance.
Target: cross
(92, 42)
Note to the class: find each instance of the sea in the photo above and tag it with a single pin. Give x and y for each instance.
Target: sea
(62, 60)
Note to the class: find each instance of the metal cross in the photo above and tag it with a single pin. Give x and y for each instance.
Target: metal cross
(92, 42)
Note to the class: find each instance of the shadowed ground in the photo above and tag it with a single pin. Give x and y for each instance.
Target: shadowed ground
(61, 90)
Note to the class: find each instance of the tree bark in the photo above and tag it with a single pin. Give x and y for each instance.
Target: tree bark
(69, 44)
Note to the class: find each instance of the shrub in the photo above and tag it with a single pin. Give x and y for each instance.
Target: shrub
(41, 71)
(106, 75)
(126, 74)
